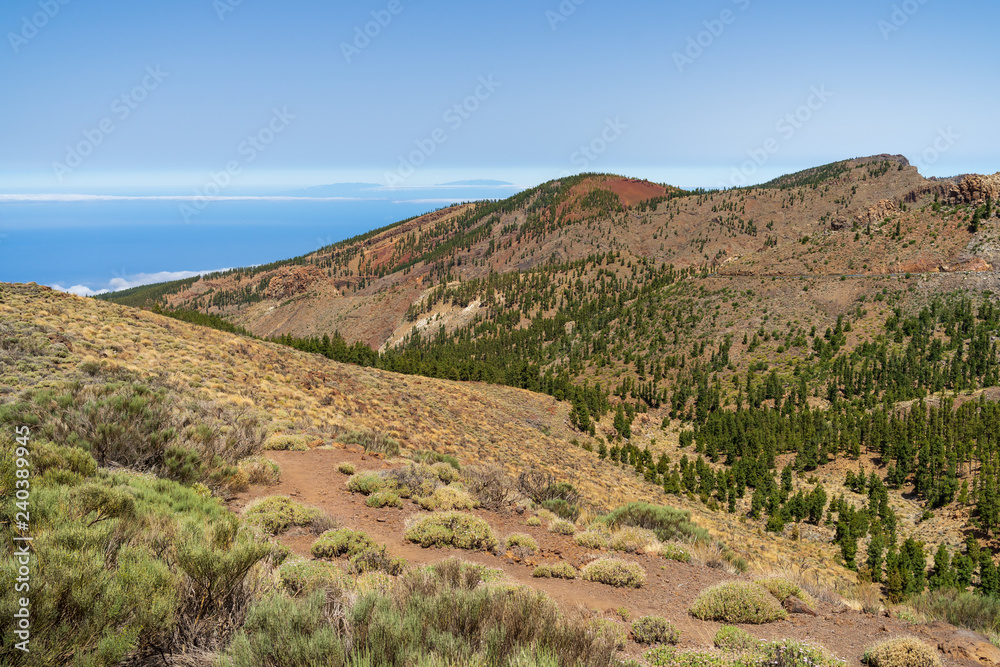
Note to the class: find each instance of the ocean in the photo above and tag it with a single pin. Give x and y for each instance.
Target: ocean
(100, 244)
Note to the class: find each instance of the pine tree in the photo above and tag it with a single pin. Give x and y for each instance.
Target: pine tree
(943, 575)
(876, 547)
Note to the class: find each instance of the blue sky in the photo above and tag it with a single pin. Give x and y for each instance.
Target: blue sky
(265, 94)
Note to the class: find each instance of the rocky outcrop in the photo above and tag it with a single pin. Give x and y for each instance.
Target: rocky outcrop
(961, 645)
(973, 189)
(793, 605)
(291, 280)
(967, 264)
(839, 223)
(876, 213)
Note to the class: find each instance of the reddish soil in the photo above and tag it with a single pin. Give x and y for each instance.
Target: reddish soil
(312, 479)
(632, 191)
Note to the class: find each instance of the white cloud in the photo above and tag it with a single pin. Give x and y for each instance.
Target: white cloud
(119, 283)
(79, 290)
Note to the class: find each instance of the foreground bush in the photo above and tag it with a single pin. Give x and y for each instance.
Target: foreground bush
(654, 630)
(731, 638)
(453, 529)
(794, 653)
(341, 542)
(560, 570)
(667, 656)
(260, 470)
(282, 631)
(377, 559)
(737, 602)
(901, 652)
(443, 615)
(277, 514)
(614, 572)
(129, 563)
(303, 577)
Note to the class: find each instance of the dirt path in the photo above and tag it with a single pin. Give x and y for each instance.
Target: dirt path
(312, 479)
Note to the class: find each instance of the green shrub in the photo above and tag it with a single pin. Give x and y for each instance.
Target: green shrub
(365, 483)
(373, 582)
(182, 464)
(792, 653)
(131, 564)
(667, 656)
(413, 480)
(654, 630)
(284, 631)
(287, 443)
(378, 559)
(610, 631)
(446, 473)
(375, 443)
(443, 615)
(97, 502)
(667, 522)
(452, 529)
(960, 608)
(447, 498)
(562, 509)
(47, 456)
(533, 521)
(341, 542)
(737, 602)
(901, 652)
(676, 552)
(429, 456)
(631, 539)
(346, 468)
(261, 470)
(731, 638)
(302, 577)
(384, 499)
(276, 514)
(525, 544)
(614, 572)
(562, 527)
(591, 539)
(561, 570)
